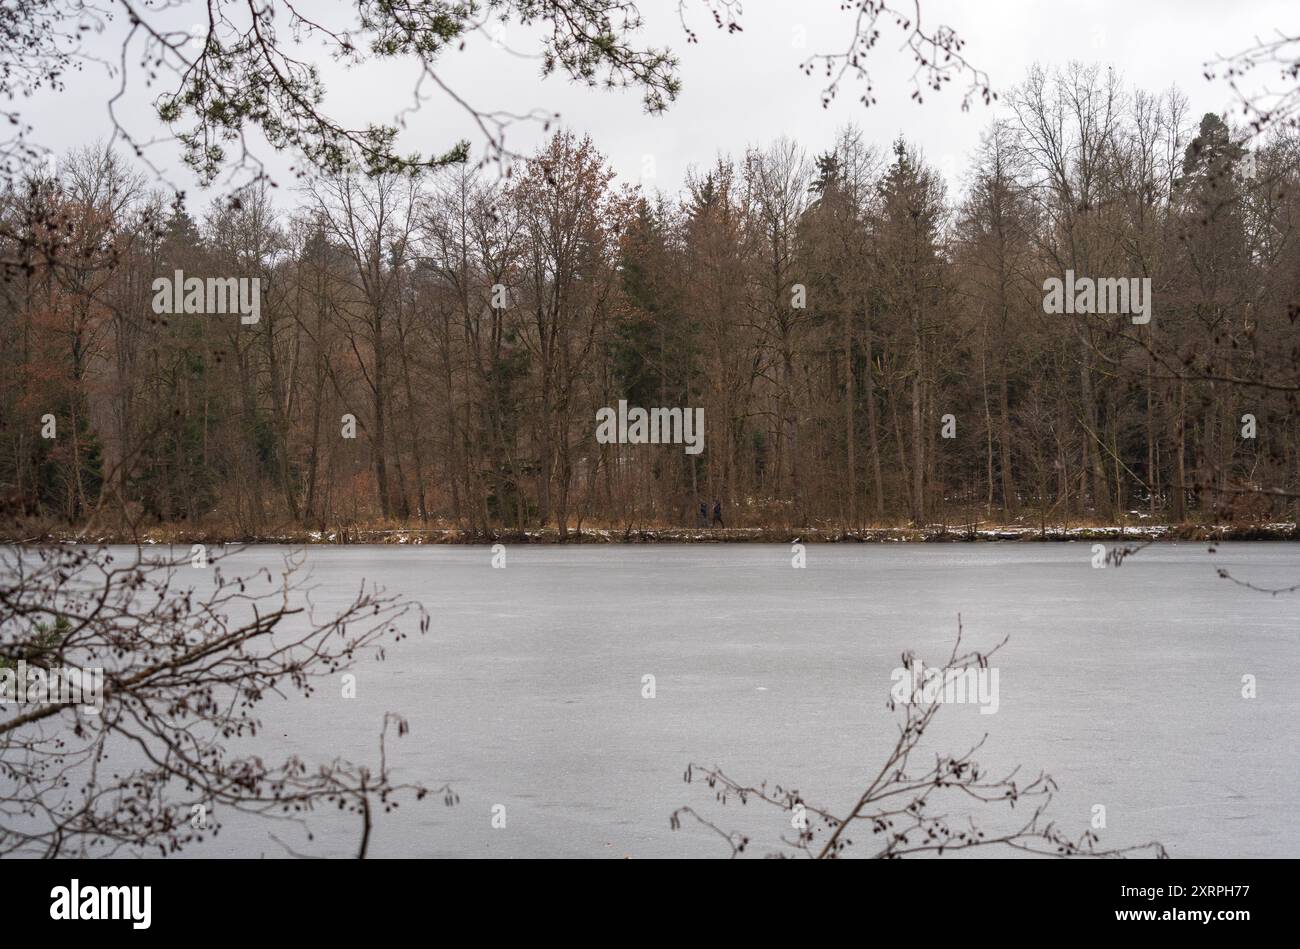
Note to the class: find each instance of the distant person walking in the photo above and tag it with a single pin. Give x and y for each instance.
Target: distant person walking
(704, 515)
(717, 513)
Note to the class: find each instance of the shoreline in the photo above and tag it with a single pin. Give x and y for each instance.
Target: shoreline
(1279, 531)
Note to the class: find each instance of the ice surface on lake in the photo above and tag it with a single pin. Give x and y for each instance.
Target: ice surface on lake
(1125, 684)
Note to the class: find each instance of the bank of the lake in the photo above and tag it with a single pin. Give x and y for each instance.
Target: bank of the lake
(978, 532)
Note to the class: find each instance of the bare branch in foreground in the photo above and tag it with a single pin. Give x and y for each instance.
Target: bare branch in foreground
(906, 808)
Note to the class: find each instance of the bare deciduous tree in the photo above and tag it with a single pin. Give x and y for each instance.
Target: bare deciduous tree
(184, 668)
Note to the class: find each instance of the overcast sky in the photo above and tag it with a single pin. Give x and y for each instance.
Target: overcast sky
(740, 89)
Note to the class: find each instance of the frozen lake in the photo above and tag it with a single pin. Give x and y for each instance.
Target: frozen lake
(1125, 684)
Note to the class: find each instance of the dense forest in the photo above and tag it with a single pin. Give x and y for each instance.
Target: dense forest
(868, 348)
